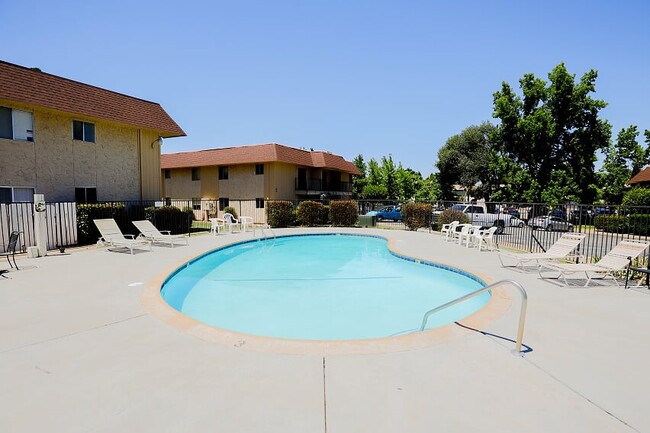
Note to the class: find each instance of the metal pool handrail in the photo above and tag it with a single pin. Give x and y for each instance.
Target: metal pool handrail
(262, 228)
(522, 313)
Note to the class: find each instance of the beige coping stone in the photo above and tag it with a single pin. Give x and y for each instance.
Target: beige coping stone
(154, 303)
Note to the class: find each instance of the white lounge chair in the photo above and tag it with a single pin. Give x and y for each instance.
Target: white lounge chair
(449, 229)
(616, 260)
(150, 232)
(231, 221)
(112, 236)
(566, 244)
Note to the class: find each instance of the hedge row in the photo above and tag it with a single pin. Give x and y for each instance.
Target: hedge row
(638, 224)
(87, 233)
(342, 213)
(170, 218)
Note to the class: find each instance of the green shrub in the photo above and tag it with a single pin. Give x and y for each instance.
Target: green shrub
(279, 213)
(87, 233)
(310, 213)
(344, 213)
(638, 224)
(611, 223)
(170, 218)
(231, 210)
(449, 215)
(416, 215)
(637, 197)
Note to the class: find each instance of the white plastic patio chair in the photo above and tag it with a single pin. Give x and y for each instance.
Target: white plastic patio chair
(112, 236)
(231, 221)
(217, 224)
(464, 233)
(246, 223)
(617, 259)
(561, 249)
(150, 232)
(485, 238)
(449, 229)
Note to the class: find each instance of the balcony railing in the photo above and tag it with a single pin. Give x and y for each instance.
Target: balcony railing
(318, 185)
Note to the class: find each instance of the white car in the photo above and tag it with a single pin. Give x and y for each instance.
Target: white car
(551, 223)
(516, 222)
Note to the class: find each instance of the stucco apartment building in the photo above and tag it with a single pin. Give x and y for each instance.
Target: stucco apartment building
(256, 173)
(73, 141)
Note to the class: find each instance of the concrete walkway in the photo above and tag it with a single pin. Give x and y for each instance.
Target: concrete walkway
(80, 353)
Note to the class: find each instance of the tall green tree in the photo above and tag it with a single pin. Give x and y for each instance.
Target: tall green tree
(429, 190)
(623, 159)
(465, 160)
(359, 182)
(374, 172)
(389, 176)
(553, 126)
(409, 182)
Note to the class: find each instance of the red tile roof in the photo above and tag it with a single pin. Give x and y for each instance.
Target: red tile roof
(32, 87)
(642, 176)
(257, 154)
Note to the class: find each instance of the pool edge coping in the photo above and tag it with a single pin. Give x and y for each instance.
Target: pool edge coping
(151, 298)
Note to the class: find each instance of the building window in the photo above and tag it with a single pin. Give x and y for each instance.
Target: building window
(259, 203)
(85, 194)
(168, 201)
(196, 203)
(16, 124)
(10, 194)
(223, 203)
(196, 174)
(168, 174)
(223, 172)
(83, 131)
(259, 168)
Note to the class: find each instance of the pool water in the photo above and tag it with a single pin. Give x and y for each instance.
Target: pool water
(318, 287)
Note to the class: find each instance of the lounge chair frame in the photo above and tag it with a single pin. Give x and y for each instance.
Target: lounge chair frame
(150, 232)
(112, 236)
(561, 249)
(617, 259)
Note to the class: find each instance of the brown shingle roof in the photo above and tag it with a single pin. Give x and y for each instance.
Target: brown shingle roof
(28, 86)
(257, 153)
(642, 176)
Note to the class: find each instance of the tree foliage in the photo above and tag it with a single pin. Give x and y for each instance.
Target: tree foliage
(465, 160)
(553, 127)
(623, 159)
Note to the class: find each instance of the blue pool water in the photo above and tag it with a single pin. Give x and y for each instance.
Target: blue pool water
(318, 287)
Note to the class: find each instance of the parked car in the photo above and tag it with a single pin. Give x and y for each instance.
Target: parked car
(582, 216)
(604, 211)
(512, 211)
(387, 213)
(517, 222)
(551, 222)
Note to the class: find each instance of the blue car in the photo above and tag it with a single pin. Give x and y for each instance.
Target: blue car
(387, 213)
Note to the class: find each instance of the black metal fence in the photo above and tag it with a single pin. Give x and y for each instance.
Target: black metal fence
(534, 227)
(69, 223)
(529, 227)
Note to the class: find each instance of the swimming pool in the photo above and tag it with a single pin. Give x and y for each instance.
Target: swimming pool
(318, 287)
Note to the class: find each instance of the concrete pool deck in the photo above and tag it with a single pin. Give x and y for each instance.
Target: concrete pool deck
(79, 352)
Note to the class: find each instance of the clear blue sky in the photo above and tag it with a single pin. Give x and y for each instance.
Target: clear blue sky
(352, 77)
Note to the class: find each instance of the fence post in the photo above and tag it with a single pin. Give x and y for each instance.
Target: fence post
(40, 224)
